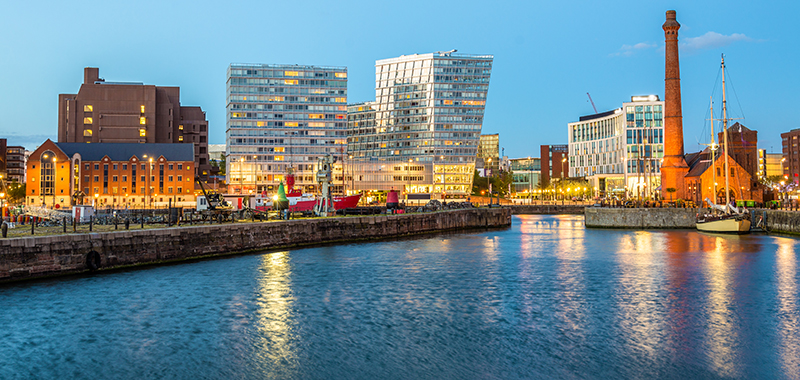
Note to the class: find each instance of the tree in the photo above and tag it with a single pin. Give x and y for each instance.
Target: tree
(16, 192)
(671, 190)
(222, 164)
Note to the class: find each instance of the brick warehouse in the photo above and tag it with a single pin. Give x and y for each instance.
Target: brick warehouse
(110, 175)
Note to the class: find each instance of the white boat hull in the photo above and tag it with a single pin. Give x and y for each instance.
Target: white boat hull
(727, 225)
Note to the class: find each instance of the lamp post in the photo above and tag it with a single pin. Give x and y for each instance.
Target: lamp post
(255, 182)
(149, 182)
(241, 174)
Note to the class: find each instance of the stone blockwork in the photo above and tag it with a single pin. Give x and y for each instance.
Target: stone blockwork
(35, 257)
(778, 221)
(546, 209)
(640, 218)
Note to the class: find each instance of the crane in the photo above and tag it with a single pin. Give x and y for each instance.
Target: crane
(590, 99)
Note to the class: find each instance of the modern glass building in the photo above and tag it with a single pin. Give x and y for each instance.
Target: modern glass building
(489, 151)
(282, 118)
(421, 133)
(620, 151)
(527, 174)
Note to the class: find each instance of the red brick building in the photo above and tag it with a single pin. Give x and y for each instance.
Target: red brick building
(555, 163)
(700, 180)
(117, 112)
(110, 175)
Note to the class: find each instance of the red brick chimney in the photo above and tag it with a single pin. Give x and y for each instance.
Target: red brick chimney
(674, 168)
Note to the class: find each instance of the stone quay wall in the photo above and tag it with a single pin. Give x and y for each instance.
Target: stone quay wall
(778, 221)
(548, 209)
(640, 218)
(35, 257)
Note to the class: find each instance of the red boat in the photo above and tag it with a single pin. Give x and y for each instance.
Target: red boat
(299, 202)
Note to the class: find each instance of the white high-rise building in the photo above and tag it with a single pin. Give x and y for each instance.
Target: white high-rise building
(282, 118)
(420, 135)
(620, 151)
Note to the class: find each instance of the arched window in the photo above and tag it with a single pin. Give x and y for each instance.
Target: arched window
(47, 173)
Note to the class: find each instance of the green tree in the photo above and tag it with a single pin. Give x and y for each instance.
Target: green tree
(222, 164)
(16, 192)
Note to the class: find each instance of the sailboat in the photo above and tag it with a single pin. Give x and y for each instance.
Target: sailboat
(728, 218)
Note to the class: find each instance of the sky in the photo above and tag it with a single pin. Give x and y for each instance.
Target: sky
(547, 55)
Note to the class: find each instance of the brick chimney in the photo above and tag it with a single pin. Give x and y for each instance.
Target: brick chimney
(674, 168)
(91, 75)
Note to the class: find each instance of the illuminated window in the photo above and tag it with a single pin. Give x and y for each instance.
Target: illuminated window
(291, 124)
(290, 81)
(341, 75)
(87, 108)
(315, 116)
(180, 138)
(448, 102)
(87, 120)
(142, 120)
(474, 102)
(316, 124)
(341, 100)
(276, 98)
(141, 109)
(278, 158)
(87, 132)
(142, 132)
(290, 73)
(280, 149)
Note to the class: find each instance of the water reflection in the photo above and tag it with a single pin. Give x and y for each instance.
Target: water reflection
(786, 268)
(275, 330)
(570, 282)
(722, 337)
(640, 320)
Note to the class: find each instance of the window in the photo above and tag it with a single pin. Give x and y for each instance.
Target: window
(87, 133)
(180, 166)
(124, 166)
(169, 178)
(169, 190)
(180, 190)
(180, 138)
(125, 190)
(114, 179)
(97, 178)
(142, 120)
(170, 166)
(290, 81)
(144, 178)
(115, 166)
(142, 132)
(87, 120)
(96, 166)
(124, 178)
(341, 75)
(88, 108)
(141, 109)
(180, 127)
(291, 73)
(87, 166)
(180, 178)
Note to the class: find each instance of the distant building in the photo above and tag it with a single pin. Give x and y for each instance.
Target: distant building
(15, 164)
(791, 155)
(420, 135)
(282, 118)
(620, 151)
(769, 164)
(527, 174)
(489, 152)
(554, 163)
(116, 175)
(122, 112)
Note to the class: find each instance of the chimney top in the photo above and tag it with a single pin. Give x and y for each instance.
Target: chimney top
(672, 21)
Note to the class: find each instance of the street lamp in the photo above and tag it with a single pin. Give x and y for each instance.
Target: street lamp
(255, 182)
(241, 174)
(149, 182)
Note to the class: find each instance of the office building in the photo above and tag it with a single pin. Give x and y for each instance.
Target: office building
(119, 175)
(527, 174)
(554, 163)
(769, 164)
(126, 112)
(489, 152)
(282, 118)
(15, 164)
(620, 151)
(420, 135)
(791, 156)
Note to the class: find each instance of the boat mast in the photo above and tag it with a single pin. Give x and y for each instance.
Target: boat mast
(725, 136)
(713, 148)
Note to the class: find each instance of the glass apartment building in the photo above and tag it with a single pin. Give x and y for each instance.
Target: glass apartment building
(489, 152)
(620, 151)
(282, 118)
(420, 135)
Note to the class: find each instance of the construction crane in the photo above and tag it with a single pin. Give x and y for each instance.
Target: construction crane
(592, 101)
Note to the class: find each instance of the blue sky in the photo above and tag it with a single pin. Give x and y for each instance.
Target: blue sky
(548, 55)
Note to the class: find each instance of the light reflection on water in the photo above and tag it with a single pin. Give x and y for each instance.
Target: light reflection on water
(546, 298)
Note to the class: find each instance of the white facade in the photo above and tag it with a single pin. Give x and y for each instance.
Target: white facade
(620, 151)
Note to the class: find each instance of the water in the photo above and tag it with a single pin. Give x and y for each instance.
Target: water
(544, 299)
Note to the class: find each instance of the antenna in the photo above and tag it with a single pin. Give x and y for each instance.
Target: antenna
(590, 99)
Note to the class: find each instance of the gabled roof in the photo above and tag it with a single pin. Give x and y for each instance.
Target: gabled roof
(699, 168)
(124, 151)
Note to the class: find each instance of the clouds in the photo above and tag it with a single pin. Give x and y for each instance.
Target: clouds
(628, 50)
(710, 40)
